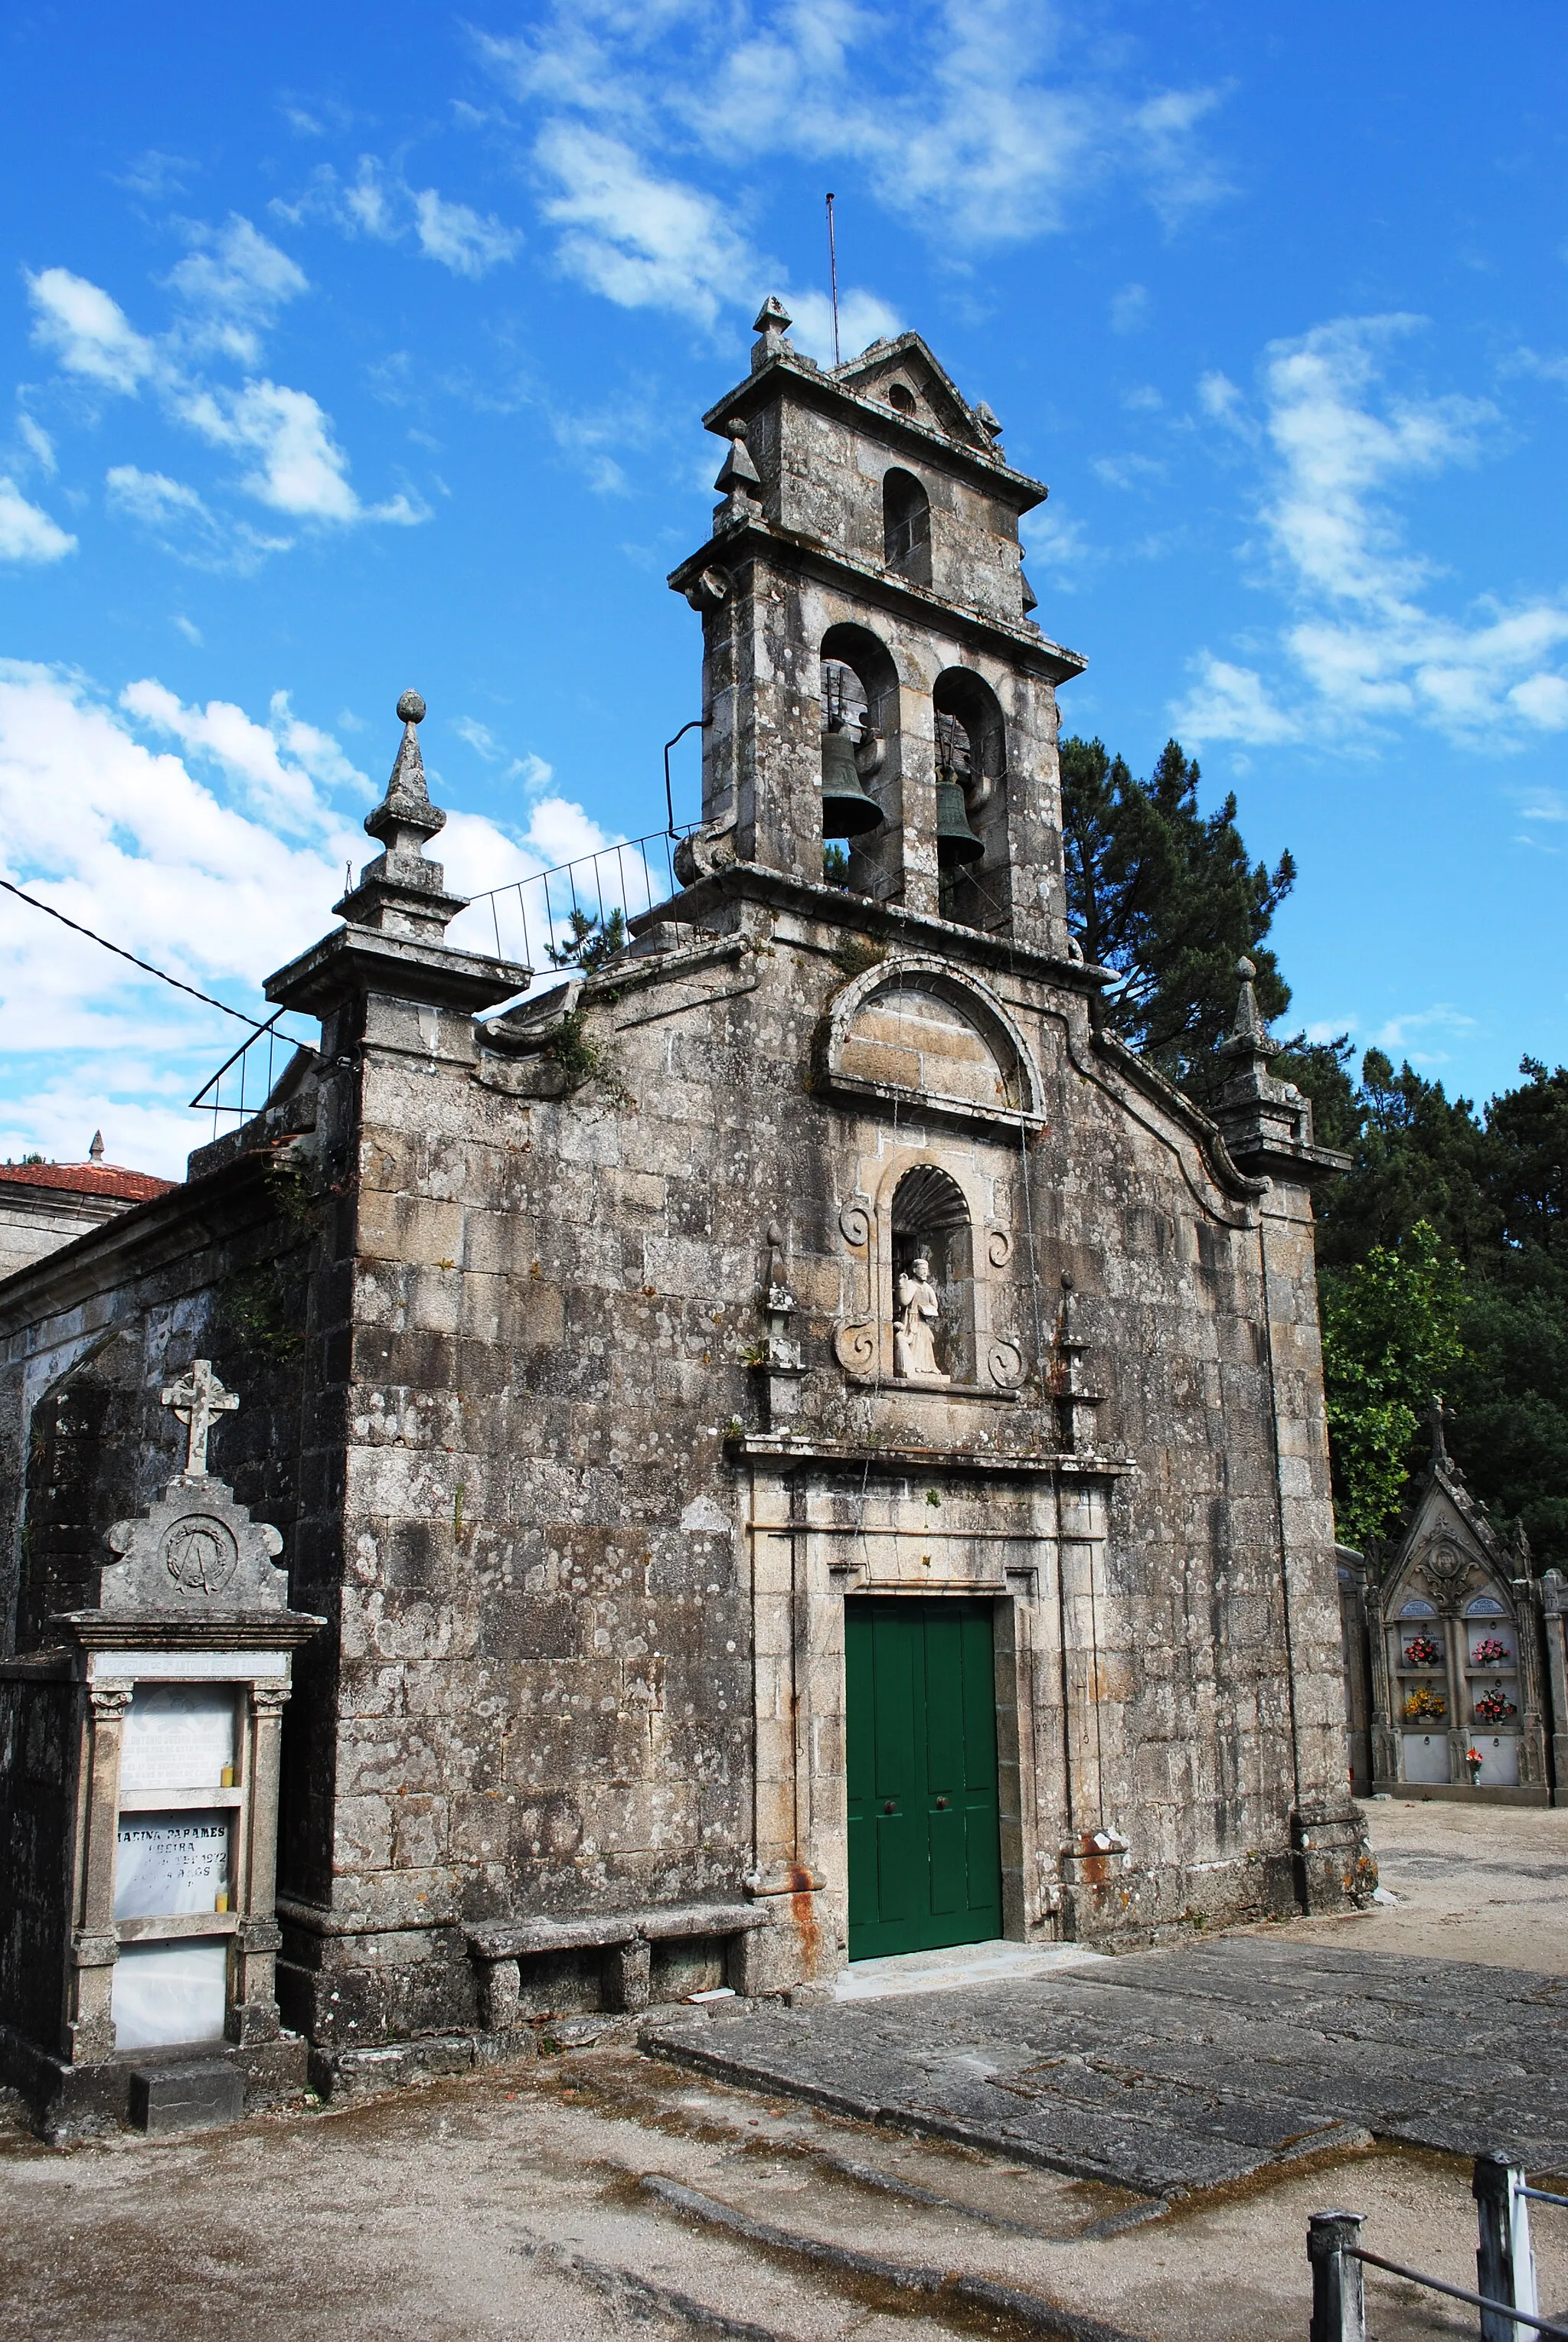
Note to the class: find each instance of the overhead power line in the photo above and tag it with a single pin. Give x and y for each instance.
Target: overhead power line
(145, 965)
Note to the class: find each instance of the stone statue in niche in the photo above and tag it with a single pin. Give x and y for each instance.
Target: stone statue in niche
(919, 1313)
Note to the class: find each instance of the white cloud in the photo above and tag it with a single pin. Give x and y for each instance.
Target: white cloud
(232, 282)
(1369, 644)
(38, 444)
(301, 469)
(381, 205)
(862, 318)
(188, 627)
(1056, 544)
(480, 738)
(459, 238)
(1232, 703)
(89, 333)
(26, 531)
(985, 122)
(185, 524)
(285, 795)
(1130, 309)
(642, 241)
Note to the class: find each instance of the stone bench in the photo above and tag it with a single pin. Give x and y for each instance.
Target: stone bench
(624, 1939)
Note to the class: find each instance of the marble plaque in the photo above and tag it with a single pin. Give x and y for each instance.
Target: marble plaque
(169, 1863)
(1426, 1756)
(167, 1993)
(177, 1736)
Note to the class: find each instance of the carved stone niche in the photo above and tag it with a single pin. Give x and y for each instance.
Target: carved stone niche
(139, 1789)
(925, 1215)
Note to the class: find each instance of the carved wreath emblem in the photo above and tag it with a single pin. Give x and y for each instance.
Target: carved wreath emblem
(201, 1554)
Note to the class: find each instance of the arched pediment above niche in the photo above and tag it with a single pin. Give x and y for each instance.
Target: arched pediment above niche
(912, 1032)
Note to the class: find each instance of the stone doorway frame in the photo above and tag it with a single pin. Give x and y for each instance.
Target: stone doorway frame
(1040, 1560)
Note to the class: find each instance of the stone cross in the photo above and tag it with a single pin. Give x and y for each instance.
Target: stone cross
(197, 1401)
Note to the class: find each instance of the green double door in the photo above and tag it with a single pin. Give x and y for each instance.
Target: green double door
(924, 1857)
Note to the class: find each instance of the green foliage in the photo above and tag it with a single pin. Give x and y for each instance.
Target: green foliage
(1493, 1187)
(590, 940)
(1167, 896)
(1391, 1331)
(834, 866)
(266, 1309)
(581, 1057)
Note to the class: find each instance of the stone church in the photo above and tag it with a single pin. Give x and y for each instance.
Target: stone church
(800, 1445)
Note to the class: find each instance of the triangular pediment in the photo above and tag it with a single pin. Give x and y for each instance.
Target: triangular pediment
(907, 362)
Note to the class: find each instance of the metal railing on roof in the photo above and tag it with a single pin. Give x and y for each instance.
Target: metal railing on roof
(534, 917)
(250, 1085)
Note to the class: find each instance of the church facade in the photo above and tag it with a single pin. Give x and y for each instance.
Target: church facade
(802, 1444)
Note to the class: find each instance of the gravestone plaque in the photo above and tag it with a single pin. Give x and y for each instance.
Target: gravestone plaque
(171, 1863)
(166, 1993)
(178, 1737)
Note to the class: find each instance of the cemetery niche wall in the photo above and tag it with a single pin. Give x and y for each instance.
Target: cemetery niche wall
(803, 1313)
(1453, 1652)
(139, 1805)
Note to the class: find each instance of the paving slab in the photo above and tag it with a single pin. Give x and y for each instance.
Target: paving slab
(1172, 2071)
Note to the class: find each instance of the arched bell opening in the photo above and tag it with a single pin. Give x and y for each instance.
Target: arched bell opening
(932, 1279)
(907, 526)
(862, 806)
(971, 801)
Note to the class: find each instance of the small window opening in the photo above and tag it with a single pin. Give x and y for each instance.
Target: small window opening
(907, 526)
(902, 396)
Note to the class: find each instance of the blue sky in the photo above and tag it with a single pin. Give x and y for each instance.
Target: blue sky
(355, 348)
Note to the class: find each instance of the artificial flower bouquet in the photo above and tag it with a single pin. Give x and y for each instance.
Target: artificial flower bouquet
(1422, 1705)
(1421, 1651)
(1495, 1707)
(1490, 1652)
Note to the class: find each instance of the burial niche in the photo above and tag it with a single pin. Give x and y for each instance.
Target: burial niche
(860, 788)
(932, 1280)
(907, 526)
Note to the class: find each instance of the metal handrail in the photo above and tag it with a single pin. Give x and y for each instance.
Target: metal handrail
(1458, 2292)
(211, 1088)
(583, 880)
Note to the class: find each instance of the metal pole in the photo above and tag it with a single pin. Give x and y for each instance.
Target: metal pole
(833, 277)
(1338, 2293)
(1505, 2263)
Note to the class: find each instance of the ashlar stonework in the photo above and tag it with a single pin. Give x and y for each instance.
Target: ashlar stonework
(578, 1380)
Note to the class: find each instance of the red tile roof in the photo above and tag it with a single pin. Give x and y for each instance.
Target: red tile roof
(87, 1179)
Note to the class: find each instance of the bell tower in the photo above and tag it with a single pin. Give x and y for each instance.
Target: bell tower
(872, 677)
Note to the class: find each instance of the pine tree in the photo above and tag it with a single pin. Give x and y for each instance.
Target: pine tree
(1166, 897)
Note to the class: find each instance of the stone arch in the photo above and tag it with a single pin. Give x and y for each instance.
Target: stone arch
(857, 676)
(972, 749)
(913, 1029)
(907, 525)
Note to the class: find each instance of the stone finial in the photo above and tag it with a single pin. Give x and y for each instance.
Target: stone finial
(988, 420)
(1437, 1415)
(95, 1151)
(401, 893)
(1249, 1028)
(770, 325)
(737, 471)
(406, 817)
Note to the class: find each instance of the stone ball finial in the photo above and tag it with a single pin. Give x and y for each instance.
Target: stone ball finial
(1245, 970)
(411, 709)
(1067, 1285)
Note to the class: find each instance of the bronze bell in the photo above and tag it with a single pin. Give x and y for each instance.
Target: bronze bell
(955, 841)
(847, 810)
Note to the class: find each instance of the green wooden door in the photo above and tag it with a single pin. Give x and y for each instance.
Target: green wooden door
(924, 1857)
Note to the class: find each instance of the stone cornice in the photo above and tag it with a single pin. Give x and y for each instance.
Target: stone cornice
(353, 961)
(1019, 641)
